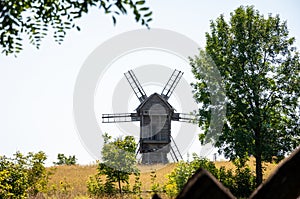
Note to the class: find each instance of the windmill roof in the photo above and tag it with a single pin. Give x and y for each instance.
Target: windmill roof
(150, 97)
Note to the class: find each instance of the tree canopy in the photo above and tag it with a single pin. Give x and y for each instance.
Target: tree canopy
(260, 72)
(36, 18)
(118, 159)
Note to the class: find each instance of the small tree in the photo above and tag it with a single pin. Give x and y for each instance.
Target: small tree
(63, 160)
(118, 159)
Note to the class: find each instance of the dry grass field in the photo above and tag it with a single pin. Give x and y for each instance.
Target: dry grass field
(70, 181)
(268, 168)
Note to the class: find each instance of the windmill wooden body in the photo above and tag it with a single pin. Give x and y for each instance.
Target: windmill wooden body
(155, 115)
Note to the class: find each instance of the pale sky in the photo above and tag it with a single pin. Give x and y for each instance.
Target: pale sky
(36, 109)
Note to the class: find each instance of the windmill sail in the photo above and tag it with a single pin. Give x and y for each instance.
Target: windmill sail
(119, 117)
(135, 85)
(184, 117)
(171, 84)
(175, 152)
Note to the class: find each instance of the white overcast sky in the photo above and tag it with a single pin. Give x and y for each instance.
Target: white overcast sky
(36, 88)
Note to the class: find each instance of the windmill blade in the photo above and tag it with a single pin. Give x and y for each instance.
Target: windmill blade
(184, 117)
(120, 117)
(135, 85)
(175, 152)
(171, 84)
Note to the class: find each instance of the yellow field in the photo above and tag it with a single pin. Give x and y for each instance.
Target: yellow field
(268, 168)
(70, 181)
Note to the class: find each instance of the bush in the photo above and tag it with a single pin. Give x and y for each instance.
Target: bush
(95, 186)
(63, 160)
(241, 182)
(178, 178)
(23, 176)
(183, 171)
(244, 181)
(226, 177)
(137, 187)
(155, 187)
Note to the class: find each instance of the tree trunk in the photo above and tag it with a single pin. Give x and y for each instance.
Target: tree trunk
(259, 174)
(258, 162)
(119, 183)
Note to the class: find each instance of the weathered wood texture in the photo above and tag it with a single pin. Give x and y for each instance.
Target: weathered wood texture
(283, 184)
(155, 122)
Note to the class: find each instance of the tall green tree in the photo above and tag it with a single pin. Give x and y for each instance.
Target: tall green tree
(260, 73)
(35, 18)
(118, 159)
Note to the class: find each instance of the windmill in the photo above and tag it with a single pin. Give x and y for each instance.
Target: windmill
(155, 115)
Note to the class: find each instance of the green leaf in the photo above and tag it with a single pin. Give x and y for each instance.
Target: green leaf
(140, 3)
(144, 9)
(148, 14)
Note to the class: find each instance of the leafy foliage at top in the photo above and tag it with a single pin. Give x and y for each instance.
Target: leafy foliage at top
(36, 18)
(260, 72)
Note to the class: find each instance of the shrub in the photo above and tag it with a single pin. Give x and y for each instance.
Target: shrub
(137, 187)
(244, 181)
(23, 176)
(241, 182)
(95, 185)
(155, 187)
(183, 171)
(63, 160)
(226, 177)
(178, 177)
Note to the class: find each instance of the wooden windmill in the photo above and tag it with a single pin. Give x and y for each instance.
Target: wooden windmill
(155, 115)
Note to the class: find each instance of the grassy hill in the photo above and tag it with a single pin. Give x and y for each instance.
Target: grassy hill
(70, 181)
